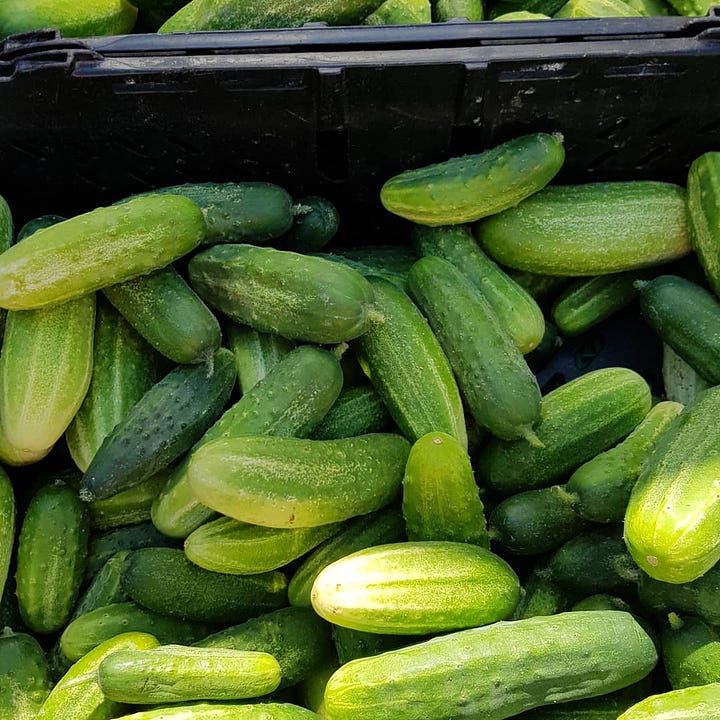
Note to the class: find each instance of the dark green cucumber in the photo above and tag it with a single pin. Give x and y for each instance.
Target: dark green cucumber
(693, 703)
(296, 637)
(38, 223)
(465, 674)
(687, 318)
(378, 528)
(354, 644)
(164, 309)
(400, 12)
(703, 201)
(297, 296)
(682, 383)
(6, 225)
(474, 186)
(601, 407)
(596, 9)
(421, 396)
(52, 552)
(105, 588)
(7, 527)
(514, 307)
(220, 711)
(162, 426)
(366, 269)
(291, 400)
(357, 411)
(316, 224)
(549, 345)
(197, 594)
(540, 287)
(690, 651)
(123, 370)
(601, 602)
(9, 611)
(439, 467)
(128, 507)
(501, 392)
(652, 8)
(541, 596)
(25, 679)
(555, 232)
(288, 482)
(447, 9)
(311, 691)
(390, 262)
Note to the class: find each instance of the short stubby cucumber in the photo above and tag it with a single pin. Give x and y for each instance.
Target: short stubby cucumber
(400, 12)
(693, 703)
(690, 652)
(316, 223)
(681, 382)
(703, 201)
(416, 588)
(358, 410)
(219, 711)
(468, 188)
(100, 248)
(7, 526)
(288, 482)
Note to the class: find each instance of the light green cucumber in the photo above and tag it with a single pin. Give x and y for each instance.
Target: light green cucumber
(357, 411)
(447, 9)
(520, 15)
(703, 201)
(595, 9)
(220, 711)
(105, 588)
(693, 703)
(652, 8)
(7, 527)
(601, 602)
(311, 692)
(14, 456)
(128, 507)
(692, 7)
(400, 12)
(682, 383)
(690, 651)
(316, 223)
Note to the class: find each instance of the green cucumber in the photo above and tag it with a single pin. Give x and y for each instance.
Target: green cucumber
(173, 674)
(368, 268)
(7, 527)
(163, 309)
(288, 482)
(501, 392)
(9, 611)
(354, 644)
(77, 696)
(447, 9)
(514, 307)
(6, 225)
(25, 679)
(439, 467)
(693, 703)
(540, 287)
(671, 519)
(128, 507)
(692, 7)
(653, 8)
(541, 596)
(105, 588)
(123, 370)
(687, 318)
(379, 528)
(291, 400)
(416, 588)
(421, 396)
(601, 407)
(16, 457)
(296, 637)
(357, 411)
(218, 711)
(601, 602)
(198, 595)
(682, 383)
(465, 674)
(311, 691)
(256, 354)
(691, 652)
(600, 489)
(520, 15)
(297, 296)
(100, 248)
(549, 345)
(468, 188)
(545, 7)
(161, 427)
(45, 370)
(596, 9)
(400, 12)
(38, 223)
(703, 201)
(393, 262)
(316, 224)
(51, 556)
(555, 232)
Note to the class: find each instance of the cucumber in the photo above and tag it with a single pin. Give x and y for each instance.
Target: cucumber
(256, 354)
(38, 223)
(694, 703)
(296, 296)
(652, 8)
(447, 9)
(520, 15)
(541, 596)
(198, 595)
(354, 644)
(421, 396)
(7, 527)
(596, 9)
(600, 489)
(128, 507)
(218, 711)
(161, 427)
(163, 309)
(316, 224)
(105, 588)
(14, 456)
(682, 384)
(6, 225)
(687, 318)
(465, 674)
(288, 482)
(311, 692)
(174, 673)
(379, 528)
(692, 7)
(52, 550)
(601, 407)
(545, 7)
(357, 411)
(25, 679)
(77, 696)
(438, 467)
(468, 188)
(671, 519)
(703, 202)
(100, 248)
(690, 651)
(416, 588)
(123, 370)
(368, 268)
(294, 396)
(390, 261)
(9, 611)
(400, 12)
(296, 637)
(601, 602)
(501, 392)
(45, 370)
(555, 231)
(514, 307)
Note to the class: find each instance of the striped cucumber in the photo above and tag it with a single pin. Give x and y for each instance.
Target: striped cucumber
(357, 411)
(408, 368)
(316, 223)
(690, 651)
(128, 507)
(400, 12)
(161, 427)
(447, 9)
(105, 588)
(703, 202)
(693, 703)
(220, 711)
(468, 188)
(288, 482)
(7, 527)
(595, 9)
(501, 392)
(682, 383)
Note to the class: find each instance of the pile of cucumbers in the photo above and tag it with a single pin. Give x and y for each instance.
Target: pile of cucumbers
(252, 473)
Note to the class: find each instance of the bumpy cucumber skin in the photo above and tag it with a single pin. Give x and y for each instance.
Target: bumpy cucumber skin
(405, 363)
(288, 482)
(128, 507)
(499, 389)
(52, 551)
(468, 188)
(565, 657)
(105, 588)
(400, 12)
(447, 9)
(555, 232)
(357, 411)
(123, 370)
(218, 711)
(161, 426)
(515, 308)
(691, 652)
(294, 396)
(45, 371)
(314, 227)
(703, 201)
(416, 588)
(7, 527)
(682, 383)
(100, 248)
(602, 407)
(596, 8)
(296, 296)
(694, 703)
